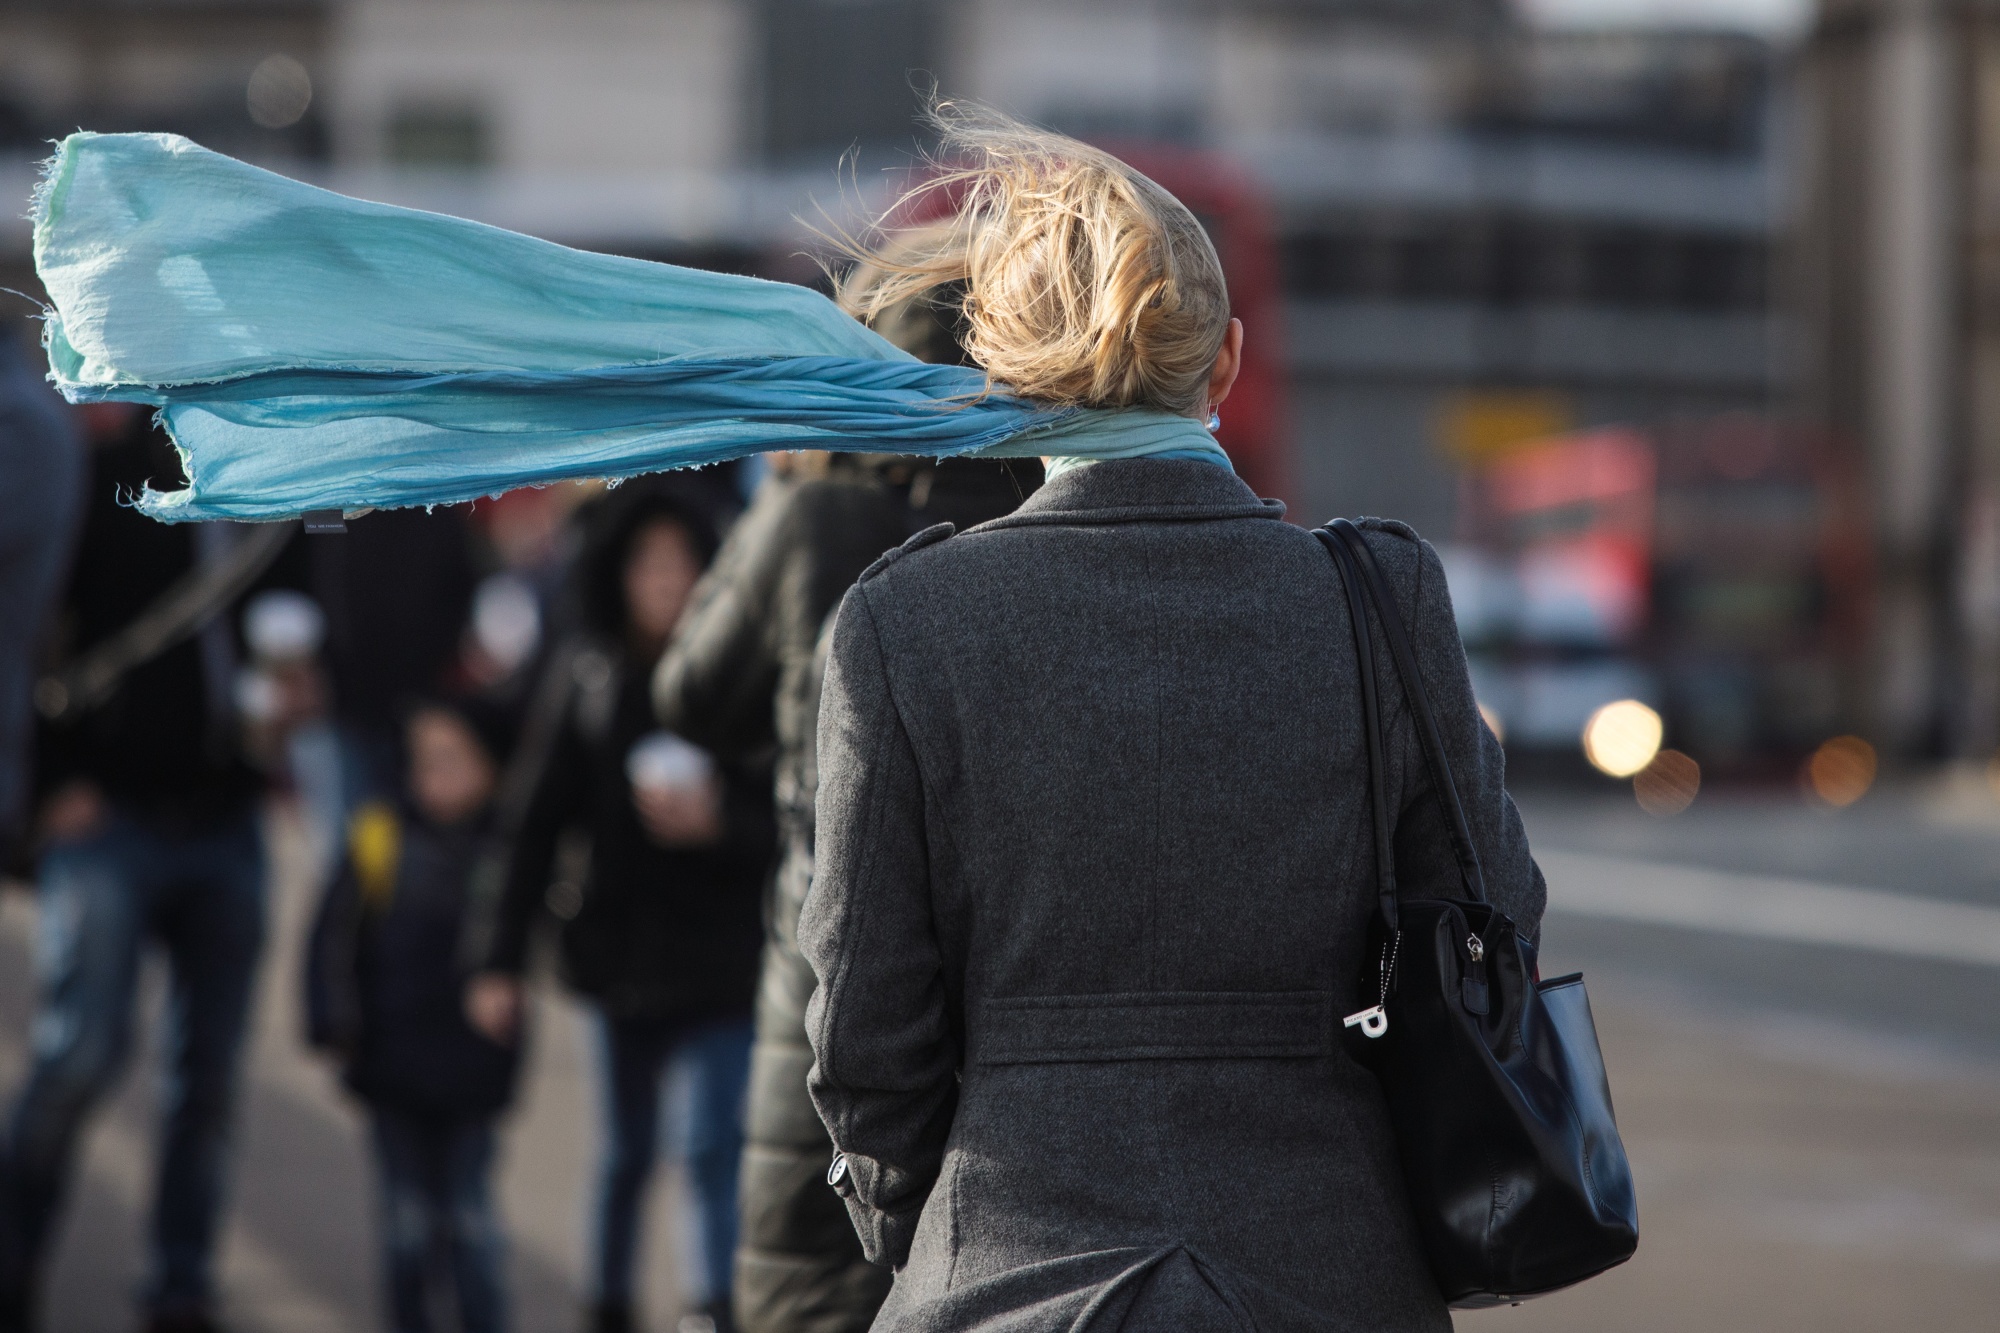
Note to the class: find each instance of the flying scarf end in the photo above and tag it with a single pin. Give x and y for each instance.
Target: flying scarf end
(166, 506)
(183, 506)
(45, 202)
(175, 506)
(78, 392)
(51, 169)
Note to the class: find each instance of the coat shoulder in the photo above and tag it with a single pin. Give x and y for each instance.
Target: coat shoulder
(930, 536)
(1405, 554)
(1409, 563)
(1394, 527)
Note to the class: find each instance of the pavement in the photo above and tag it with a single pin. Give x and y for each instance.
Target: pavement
(1800, 1014)
(297, 1253)
(1799, 1009)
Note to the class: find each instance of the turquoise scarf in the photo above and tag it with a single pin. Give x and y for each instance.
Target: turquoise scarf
(308, 351)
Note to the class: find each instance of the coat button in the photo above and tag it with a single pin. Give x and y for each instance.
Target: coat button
(837, 1172)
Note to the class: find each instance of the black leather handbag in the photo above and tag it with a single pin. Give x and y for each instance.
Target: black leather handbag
(1511, 1157)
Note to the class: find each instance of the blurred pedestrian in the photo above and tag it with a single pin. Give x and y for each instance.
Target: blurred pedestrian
(661, 931)
(396, 591)
(384, 989)
(288, 725)
(41, 480)
(743, 671)
(1095, 875)
(149, 832)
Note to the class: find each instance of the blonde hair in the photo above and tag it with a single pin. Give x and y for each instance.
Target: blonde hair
(1085, 284)
(924, 322)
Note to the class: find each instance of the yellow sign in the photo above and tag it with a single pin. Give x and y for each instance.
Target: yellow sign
(1481, 425)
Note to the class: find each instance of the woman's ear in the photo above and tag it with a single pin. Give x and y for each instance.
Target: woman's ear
(1228, 362)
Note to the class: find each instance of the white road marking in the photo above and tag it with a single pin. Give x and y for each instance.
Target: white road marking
(1767, 907)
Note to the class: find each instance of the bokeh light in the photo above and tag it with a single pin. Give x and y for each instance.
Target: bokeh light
(1668, 785)
(1494, 723)
(280, 91)
(1841, 771)
(1621, 738)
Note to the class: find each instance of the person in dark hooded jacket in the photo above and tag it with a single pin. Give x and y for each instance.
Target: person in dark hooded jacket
(661, 927)
(742, 673)
(382, 995)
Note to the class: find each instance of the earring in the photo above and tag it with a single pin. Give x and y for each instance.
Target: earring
(1214, 421)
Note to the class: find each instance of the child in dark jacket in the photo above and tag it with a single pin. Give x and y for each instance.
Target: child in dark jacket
(384, 983)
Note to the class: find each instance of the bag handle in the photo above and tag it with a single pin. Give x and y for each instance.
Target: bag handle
(1360, 567)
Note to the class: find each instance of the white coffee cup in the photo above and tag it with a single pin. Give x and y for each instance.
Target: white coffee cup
(663, 761)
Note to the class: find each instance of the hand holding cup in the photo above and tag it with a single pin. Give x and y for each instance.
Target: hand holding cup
(675, 791)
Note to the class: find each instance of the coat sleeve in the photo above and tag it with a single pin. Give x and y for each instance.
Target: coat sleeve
(715, 682)
(1424, 859)
(885, 1059)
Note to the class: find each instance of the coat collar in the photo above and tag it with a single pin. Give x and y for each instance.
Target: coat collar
(1140, 490)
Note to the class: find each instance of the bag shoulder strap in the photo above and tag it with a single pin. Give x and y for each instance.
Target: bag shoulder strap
(1371, 725)
(1360, 566)
(179, 613)
(555, 693)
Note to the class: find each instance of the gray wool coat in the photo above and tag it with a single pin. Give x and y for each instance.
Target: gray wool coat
(1093, 882)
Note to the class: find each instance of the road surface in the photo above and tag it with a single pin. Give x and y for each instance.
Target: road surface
(1800, 1010)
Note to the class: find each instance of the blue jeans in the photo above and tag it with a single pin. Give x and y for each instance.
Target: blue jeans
(438, 1228)
(709, 1064)
(100, 900)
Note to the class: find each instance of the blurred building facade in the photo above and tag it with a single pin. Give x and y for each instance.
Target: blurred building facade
(1485, 231)
(1899, 280)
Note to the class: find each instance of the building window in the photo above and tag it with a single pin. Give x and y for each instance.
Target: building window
(1519, 260)
(429, 135)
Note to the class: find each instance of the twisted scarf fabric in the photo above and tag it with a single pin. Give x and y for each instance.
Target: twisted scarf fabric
(308, 351)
